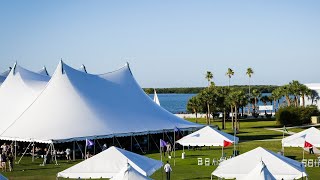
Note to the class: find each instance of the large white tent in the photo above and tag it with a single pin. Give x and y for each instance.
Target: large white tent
(109, 163)
(17, 93)
(260, 172)
(76, 105)
(311, 135)
(207, 136)
(279, 166)
(129, 173)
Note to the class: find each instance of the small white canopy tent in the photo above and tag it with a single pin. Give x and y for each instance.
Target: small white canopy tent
(278, 165)
(260, 172)
(207, 136)
(311, 135)
(129, 173)
(109, 163)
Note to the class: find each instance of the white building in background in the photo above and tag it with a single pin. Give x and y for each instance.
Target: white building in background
(314, 101)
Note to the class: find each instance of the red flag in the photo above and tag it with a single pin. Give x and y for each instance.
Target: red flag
(226, 143)
(306, 144)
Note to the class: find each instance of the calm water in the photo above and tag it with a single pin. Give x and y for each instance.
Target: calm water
(177, 103)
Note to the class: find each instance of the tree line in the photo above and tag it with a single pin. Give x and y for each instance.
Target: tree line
(196, 90)
(233, 99)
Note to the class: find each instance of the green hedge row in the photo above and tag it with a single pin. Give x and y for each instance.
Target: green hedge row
(296, 115)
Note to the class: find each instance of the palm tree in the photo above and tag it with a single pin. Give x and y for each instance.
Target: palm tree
(235, 97)
(304, 92)
(249, 73)
(194, 106)
(314, 97)
(286, 91)
(256, 95)
(276, 96)
(229, 73)
(295, 87)
(209, 77)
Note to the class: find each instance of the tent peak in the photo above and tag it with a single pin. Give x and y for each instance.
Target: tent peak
(83, 68)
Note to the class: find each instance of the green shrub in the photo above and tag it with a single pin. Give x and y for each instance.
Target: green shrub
(296, 115)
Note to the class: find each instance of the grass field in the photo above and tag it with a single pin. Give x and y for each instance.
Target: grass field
(252, 134)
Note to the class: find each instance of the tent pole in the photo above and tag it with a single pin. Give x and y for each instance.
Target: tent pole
(139, 145)
(174, 147)
(131, 142)
(80, 149)
(55, 154)
(154, 142)
(24, 152)
(33, 151)
(148, 142)
(74, 151)
(99, 144)
(113, 140)
(170, 140)
(118, 142)
(94, 146)
(302, 153)
(15, 150)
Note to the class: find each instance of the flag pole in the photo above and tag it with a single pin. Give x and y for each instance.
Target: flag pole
(174, 147)
(234, 142)
(160, 151)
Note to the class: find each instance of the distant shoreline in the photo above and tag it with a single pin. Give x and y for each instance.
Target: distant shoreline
(196, 90)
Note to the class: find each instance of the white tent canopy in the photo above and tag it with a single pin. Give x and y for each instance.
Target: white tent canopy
(207, 136)
(109, 163)
(129, 173)
(260, 172)
(278, 165)
(17, 93)
(311, 135)
(76, 105)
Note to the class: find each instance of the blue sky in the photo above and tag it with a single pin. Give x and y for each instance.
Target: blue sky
(167, 43)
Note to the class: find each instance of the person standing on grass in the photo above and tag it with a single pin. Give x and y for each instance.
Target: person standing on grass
(10, 159)
(68, 152)
(4, 162)
(167, 169)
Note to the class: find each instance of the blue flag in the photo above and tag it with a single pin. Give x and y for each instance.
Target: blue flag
(162, 143)
(89, 142)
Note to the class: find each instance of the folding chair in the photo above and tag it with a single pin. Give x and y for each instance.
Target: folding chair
(215, 162)
(200, 162)
(304, 162)
(310, 162)
(207, 161)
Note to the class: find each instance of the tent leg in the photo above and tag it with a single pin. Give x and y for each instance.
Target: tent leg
(33, 151)
(24, 152)
(80, 149)
(74, 151)
(169, 138)
(148, 142)
(118, 142)
(139, 145)
(55, 154)
(131, 143)
(15, 150)
(302, 153)
(94, 146)
(99, 144)
(155, 142)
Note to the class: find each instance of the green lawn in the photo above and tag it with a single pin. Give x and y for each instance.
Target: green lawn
(252, 134)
